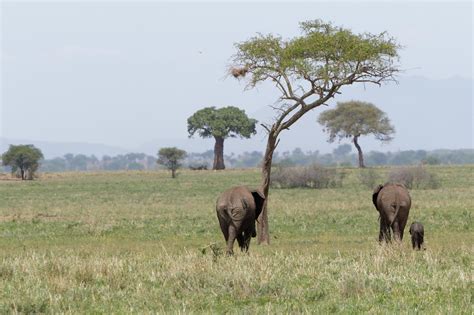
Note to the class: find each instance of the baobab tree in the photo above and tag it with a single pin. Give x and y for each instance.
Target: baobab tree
(221, 124)
(354, 119)
(308, 71)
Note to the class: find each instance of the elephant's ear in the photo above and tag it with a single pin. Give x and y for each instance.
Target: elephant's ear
(259, 198)
(375, 194)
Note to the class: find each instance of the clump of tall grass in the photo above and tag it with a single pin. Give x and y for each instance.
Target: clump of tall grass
(368, 177)
(386, 278)
(414, 177)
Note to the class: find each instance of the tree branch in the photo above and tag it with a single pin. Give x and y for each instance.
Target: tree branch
(266, 127)
(288, 84)
(308, 107)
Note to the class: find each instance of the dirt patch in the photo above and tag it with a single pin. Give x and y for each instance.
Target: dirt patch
(9, 177)
(29, 217)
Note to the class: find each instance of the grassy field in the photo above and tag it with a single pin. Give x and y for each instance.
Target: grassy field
(136, 242)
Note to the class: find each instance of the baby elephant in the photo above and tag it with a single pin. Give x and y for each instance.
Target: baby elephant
(417, 233)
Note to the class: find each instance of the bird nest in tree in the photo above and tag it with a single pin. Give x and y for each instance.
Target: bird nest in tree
(238, 72)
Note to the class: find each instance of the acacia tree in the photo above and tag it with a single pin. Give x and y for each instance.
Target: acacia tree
(308, 71)
(171, 158)
(354, 119)
(23, 160)
(220, 124)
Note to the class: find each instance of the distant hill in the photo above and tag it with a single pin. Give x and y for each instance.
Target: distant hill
(57, 149)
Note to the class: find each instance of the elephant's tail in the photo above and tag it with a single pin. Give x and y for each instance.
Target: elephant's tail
(397, 207)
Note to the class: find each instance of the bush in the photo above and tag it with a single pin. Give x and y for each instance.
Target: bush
(431, 160)
(313, 176)
(198, 167)
(368, 177)
(414, 177)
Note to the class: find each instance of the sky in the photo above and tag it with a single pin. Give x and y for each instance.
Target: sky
(129, 74)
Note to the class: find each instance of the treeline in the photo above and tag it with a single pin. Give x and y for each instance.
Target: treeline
(341, 156)
(81, 162)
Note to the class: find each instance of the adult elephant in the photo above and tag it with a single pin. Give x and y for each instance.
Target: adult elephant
(237, 209)
(393, 203)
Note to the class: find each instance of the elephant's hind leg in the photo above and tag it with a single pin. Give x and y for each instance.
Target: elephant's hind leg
(397, 235)
(224, 227)
(384, 234)
(241, 241)
(231, 239)
(381, 234)
(419, 241)
(402, 222)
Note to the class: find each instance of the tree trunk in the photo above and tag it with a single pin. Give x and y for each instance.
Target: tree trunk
(262, 227)
(361, 156)
(22, 171)
(219, 154)
(173, 173)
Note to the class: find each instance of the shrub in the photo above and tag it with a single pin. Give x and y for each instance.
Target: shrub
(414, 177)
(198, 167)
(431, 160)
(313, 176)
(368, 177)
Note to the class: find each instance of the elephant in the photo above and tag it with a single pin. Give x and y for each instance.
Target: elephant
(417, 235)
(393, 203)
(237, 210)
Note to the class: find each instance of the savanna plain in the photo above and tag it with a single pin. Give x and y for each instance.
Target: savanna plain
(135, 242)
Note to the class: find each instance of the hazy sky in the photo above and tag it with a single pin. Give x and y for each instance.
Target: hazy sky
(130, 73)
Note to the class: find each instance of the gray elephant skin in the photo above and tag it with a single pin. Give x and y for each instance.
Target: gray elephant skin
(417, 233)
(393, 203)
(237, 209)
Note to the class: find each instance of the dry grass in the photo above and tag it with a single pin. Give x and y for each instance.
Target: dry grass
(386, 278)
(134, 242)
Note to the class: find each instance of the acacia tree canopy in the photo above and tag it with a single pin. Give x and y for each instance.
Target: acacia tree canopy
(171, 158)
(308, 70)
(23, 159)
(354, 118)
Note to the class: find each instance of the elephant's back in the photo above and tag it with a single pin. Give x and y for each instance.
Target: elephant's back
(234, 198)
(394, 193)
(395, 202)
(417, 228)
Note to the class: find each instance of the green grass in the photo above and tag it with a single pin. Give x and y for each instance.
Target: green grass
(123, 242)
